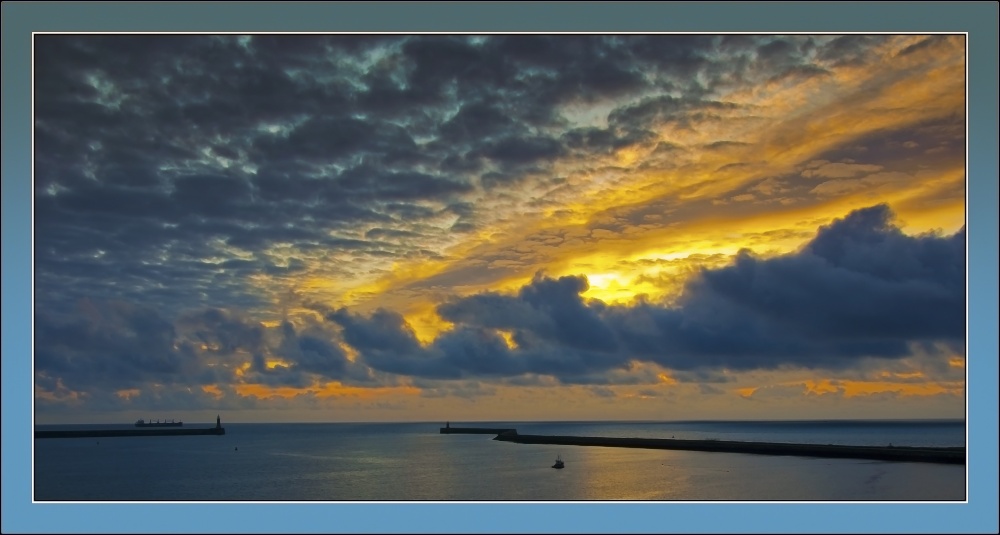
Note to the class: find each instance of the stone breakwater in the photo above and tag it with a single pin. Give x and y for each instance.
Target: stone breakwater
(880, 453)
(159, 432)
(475, 431)
(877, 453)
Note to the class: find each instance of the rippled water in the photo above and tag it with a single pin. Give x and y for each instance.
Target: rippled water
(405, 462)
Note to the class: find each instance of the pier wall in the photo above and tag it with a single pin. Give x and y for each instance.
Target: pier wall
(159, 432)
(882, 453)
(475, 431)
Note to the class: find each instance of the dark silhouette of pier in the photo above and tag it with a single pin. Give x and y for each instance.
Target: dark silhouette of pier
(449, 430)
(218, 430)
(879, 453)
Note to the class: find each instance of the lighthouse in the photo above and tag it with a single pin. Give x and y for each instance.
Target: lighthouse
(218, 422)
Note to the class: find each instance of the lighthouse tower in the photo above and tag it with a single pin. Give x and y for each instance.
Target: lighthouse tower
(218, 422)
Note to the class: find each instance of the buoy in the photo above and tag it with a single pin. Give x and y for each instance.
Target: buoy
(237, 448)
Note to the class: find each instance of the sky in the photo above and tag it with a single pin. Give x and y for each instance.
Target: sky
(292, 228)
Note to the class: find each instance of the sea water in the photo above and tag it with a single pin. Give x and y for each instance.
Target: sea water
(414, 462)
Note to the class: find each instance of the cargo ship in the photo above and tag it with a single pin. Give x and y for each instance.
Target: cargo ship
(171, 423)
(218, 430)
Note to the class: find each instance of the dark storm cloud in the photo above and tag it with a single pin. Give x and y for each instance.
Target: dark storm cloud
(679, 58)
(478, 120)
(572, 323)
(921, 45)
(113, 345)
(599, 140)
(439, 61)
(859, 289)
(522, 150)
(390, 345)
(572, 68)
(849, 49)
(207, 195)
(655, 111)
(168, 168)
(365, 181)
(781, 55)
(538, 71)
(552, 337)
(333, 139)
(312, 351)
(545, 312)
(778, 51)
(896, 149)
(221, 330)
(306, 355)
(252, 141)
(146, 145)
(383, 331)
(799, 73)
(912, 287)
(381, 233)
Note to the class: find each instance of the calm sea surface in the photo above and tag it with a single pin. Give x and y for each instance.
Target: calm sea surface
(412, 461)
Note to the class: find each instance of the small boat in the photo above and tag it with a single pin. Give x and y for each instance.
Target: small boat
(559, 463)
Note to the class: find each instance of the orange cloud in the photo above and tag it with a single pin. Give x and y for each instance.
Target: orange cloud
(265, 392)
(328, 390)
(666, 379)
(128, 394)
(851, 389)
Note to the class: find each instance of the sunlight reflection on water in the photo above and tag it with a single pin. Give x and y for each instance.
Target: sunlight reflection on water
(403, 462)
